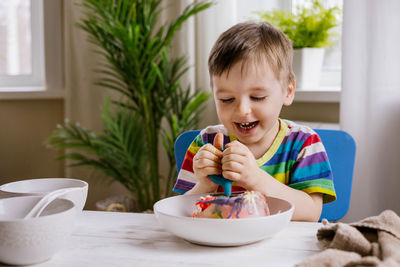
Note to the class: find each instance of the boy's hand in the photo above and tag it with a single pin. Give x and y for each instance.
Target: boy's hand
(239, 165)
(207, 161)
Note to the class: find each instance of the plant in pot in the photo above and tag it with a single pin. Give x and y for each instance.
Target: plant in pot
(311, 30)
(139, 68)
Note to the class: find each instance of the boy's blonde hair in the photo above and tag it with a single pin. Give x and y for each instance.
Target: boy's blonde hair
(251, 41)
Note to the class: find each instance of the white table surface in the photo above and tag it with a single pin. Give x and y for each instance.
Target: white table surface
(135, 239)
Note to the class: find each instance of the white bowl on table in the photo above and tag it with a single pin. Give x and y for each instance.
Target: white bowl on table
(175, 215)
(42, 186)
(33, 240)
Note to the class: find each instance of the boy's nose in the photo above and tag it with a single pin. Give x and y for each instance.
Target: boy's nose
(244, 107)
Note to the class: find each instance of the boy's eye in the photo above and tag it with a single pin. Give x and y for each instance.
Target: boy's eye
(257, 98)
(227, 100)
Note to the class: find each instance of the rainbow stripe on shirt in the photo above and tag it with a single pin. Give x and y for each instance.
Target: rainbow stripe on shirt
(296, 158)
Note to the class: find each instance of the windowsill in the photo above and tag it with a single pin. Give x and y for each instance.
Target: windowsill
(30, 93)
(323, 94)
(320, 125)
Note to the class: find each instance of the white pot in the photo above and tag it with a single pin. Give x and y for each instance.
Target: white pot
(307, 65)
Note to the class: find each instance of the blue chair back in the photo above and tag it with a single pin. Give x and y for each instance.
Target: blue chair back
(341, 150)
(182, 144)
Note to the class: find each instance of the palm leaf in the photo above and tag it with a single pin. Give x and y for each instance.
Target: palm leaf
(139, 68)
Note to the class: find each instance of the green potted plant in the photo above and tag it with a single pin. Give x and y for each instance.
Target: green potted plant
(138, 66)
(311, 31)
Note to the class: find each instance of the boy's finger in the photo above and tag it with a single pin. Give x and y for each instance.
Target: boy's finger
(213, 150)
(234, 150)
(219, 141)
(208, 157)
(234, 144)
(212, 170)
(231, 175)
(233, 157)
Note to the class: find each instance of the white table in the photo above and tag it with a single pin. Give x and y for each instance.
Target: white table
(134, 239)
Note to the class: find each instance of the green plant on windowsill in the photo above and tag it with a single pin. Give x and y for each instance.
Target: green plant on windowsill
(311, 30)
(307, 27)
(138, 67)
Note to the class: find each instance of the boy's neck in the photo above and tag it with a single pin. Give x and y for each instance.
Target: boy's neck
(259, 149)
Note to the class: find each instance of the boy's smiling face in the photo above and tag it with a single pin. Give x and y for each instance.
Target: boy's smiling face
(249, 99)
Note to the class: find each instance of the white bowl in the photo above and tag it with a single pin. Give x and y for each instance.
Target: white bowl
(175, 214)
(33, 240)
(40, 187)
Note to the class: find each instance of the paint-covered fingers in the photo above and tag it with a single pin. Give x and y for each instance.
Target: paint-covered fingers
(206, 165)
(236, 147)
(208, 153)
(207, 161)
(232, 175)
(233, 166)
(210, 170)
(219, 141)
(239, 165)
(227, 159)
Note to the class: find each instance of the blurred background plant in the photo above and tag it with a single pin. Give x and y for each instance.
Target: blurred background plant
(139, 67)
(308, 26)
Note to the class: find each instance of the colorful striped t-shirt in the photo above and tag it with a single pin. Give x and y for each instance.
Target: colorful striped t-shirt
(296, 158)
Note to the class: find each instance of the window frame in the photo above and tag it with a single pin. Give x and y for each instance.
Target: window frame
(48, 83)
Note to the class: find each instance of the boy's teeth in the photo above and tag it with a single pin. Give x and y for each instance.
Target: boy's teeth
(247, 125)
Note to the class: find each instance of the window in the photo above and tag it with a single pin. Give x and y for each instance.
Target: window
(21, 44)
(27, 70)
(15, 37)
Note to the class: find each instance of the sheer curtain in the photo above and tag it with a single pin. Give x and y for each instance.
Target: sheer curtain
(196, 39)
(84, 100)
(370, 103)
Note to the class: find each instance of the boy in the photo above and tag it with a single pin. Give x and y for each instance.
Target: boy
(251, 77)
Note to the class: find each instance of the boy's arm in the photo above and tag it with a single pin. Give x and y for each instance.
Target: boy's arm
(308, 207)
(239, 165)
(201, 188)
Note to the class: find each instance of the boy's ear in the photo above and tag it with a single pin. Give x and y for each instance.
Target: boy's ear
(289, 94)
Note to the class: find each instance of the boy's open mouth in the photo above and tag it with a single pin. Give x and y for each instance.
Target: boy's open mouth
(246, 125)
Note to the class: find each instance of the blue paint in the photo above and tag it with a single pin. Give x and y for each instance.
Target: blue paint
(225, 183)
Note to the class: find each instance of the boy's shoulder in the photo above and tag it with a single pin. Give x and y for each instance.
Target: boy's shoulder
(301, 133)
(207, 134)
(302, 137)
(214, 129)
(297, 128)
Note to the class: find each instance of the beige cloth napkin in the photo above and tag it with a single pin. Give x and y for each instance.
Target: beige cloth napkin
(374, 241)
